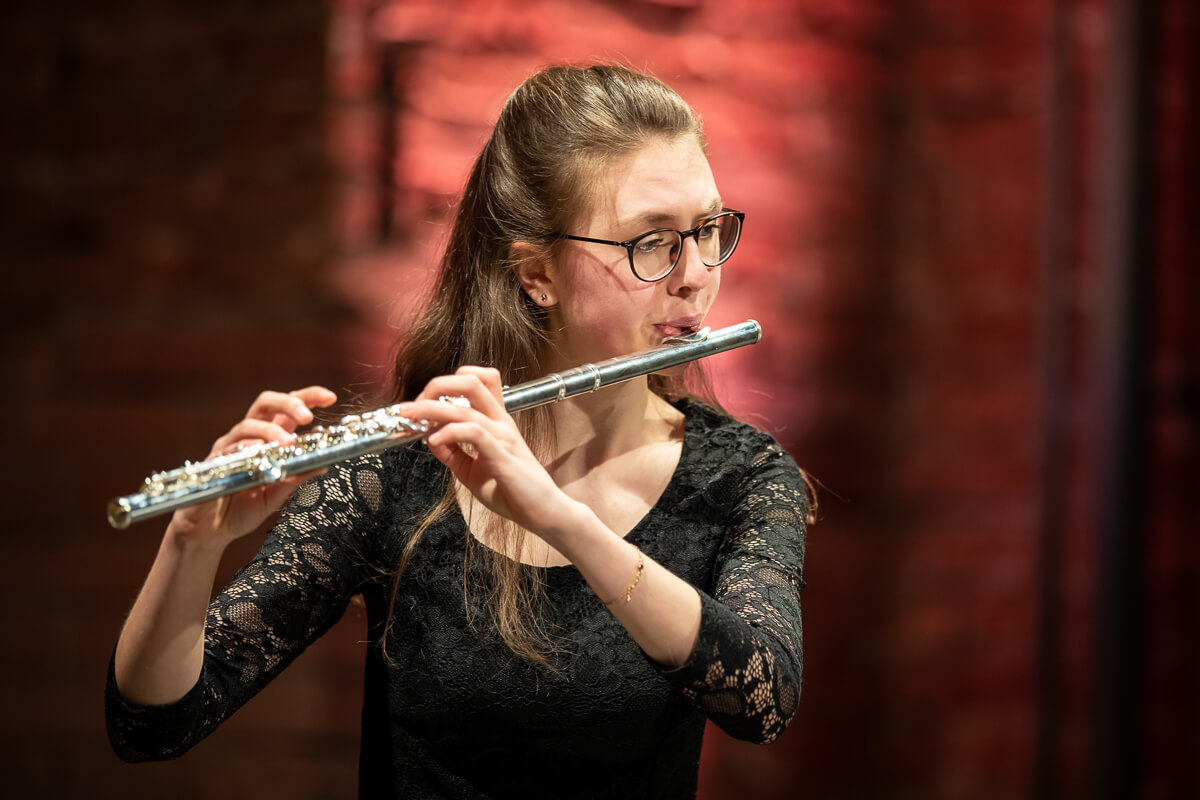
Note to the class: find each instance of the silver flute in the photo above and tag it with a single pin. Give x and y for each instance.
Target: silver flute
(370, 432)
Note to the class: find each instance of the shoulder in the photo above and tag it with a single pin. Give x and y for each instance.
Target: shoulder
(347, 489)
(726, 455)
(718, 433)
(357, 489)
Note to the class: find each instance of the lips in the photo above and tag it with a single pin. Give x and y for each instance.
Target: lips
(684, 326)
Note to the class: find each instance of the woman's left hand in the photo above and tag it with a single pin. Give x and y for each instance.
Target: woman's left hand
(497, 466)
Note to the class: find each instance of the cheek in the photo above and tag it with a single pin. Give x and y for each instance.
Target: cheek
(603, 318)
(592, 290)
(602, 314)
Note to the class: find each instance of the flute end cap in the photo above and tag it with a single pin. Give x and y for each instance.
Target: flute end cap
(118, 513)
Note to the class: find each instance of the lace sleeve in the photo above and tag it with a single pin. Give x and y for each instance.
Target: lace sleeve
(293, 591)
(745, 670)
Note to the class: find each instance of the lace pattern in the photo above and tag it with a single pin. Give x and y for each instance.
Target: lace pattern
(745, 671)
(293, 591)
(731, 522)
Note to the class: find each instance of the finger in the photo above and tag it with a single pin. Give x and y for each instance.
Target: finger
(485, 445)
(315, 396)
(273, 405)
(261, 429)
(310, 397)
(469, 386)
(226, 444)
(460, 462)
(250, 430)
(489, 377)
(449, 453)
(441, 412)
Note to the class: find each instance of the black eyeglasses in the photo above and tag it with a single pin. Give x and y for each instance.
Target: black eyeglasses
(654, 254)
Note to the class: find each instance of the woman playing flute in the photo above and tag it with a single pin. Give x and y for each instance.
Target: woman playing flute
(556, 603)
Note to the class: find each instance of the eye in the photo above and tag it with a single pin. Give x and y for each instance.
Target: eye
(709, 229)
(650, 243)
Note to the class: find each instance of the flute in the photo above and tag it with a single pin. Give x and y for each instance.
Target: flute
(383, 428)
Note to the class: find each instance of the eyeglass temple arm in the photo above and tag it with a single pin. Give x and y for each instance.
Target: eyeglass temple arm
(595, 241)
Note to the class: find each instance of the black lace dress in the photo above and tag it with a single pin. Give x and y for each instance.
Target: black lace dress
(460, 716)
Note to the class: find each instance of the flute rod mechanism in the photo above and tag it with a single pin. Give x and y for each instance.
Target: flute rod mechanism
(374, 431)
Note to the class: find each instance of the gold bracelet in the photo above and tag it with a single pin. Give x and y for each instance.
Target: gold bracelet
(637, 576)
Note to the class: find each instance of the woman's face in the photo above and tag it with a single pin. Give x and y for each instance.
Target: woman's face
(601, 308)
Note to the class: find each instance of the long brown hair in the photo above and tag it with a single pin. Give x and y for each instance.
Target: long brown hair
(534, 177)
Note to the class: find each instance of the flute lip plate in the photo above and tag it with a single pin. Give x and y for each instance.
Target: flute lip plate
(698, 336)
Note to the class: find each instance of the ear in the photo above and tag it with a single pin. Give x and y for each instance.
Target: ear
(535, 271)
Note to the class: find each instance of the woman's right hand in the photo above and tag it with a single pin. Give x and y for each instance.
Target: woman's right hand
(272, 417)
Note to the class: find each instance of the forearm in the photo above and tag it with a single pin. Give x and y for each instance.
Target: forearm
(160, 651)
(662, 613)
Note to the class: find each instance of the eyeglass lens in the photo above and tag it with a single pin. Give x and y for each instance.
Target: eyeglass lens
(655, 254)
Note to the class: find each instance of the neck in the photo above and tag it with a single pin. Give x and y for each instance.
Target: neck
(593, 428)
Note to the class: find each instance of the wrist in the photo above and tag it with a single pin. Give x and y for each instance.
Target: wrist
(186, 539)
(569, 527)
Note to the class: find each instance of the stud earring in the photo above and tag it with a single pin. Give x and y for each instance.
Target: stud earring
(543, 298)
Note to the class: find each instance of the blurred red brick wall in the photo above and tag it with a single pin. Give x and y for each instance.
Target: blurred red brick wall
(166, 246)
(201, 202)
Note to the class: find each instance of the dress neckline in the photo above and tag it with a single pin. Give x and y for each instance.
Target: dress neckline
(635, 532)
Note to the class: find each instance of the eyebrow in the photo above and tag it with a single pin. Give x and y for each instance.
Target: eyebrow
(660, 219)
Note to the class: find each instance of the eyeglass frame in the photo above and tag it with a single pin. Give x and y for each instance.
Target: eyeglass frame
(628, 244)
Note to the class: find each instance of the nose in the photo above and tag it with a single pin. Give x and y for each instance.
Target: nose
(690, 273)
